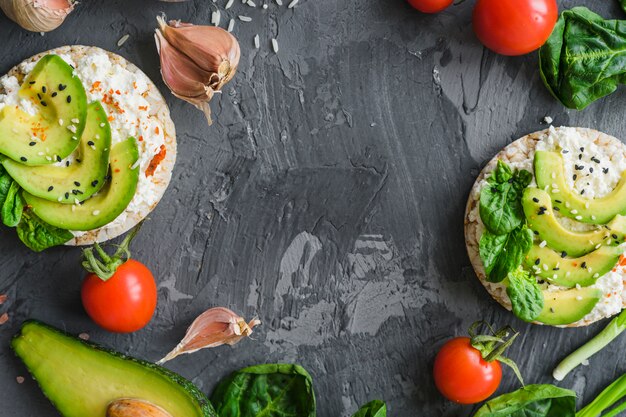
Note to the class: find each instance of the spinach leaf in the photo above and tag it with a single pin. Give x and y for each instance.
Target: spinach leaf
(39, 235)
(5, 184)
(525, 294)
(272, 390)
(584, 58)
(500, 200)
(622, 3)
(532, 400)
(374, 408)
(502, 254)
(13, 206)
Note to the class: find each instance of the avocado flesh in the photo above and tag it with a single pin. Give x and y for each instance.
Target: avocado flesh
(50, 138)
(80, 180)
(572, 271)
(567, 307)
(81, 378)
(102, 208)
(592, 211)
(557, 237)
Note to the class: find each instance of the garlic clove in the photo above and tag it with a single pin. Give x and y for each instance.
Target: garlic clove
(132, 407)
(215, 327)
(37, 15)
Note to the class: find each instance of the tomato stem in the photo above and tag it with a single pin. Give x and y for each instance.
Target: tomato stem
(492, 346)
(105, 265)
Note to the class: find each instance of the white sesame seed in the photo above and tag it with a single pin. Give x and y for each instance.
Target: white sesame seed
(545, 267)
(543, 244)
(593, 217)
(590, 270)
(553, 175)
(245, 18)
(72, 128)
(292, 4)
(574, 211)
(275, 45)
(231, 25)
(75, 121)
(555, 191)
(60, 122)
(96, 212)
(579, 297)
(60, 199)
(102, 124)
(135, 165)
(48, 158)
(76, 201)
(229, 4)
(97, 136)
(257, 42)
(598, 246)
(587, 205)
(567, 204)
(568, 273)
(578, 286)
(578, 217)
(596, 275)
(123, 40)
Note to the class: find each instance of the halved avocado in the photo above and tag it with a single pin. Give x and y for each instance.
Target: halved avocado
(541, 219)
(567, 307)
(567, 272)
(106, 205)
(52, 133)
(81, 179)
(549, 172)
(81, 378)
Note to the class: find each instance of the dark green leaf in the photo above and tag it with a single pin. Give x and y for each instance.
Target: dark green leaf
(272, 390)
(622, 3)
(5, 184)
(13, 206)
(502, 254)
(500, 200)
(39, 235)
(585, 57)
(374, 408)
(525, 294)
(532, 401)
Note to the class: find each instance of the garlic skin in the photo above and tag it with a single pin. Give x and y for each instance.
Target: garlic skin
(37, 15)
(215, 327)
(196, 61)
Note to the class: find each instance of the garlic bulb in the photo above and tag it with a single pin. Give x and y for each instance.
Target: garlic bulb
(37, 15)
(196, 61)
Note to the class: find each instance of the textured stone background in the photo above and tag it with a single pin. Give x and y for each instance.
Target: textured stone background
(327, 199)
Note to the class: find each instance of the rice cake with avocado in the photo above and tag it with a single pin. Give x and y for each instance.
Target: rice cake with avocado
(592, 166)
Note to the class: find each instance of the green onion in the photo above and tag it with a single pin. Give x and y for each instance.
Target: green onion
(606, 336)
(607, 398)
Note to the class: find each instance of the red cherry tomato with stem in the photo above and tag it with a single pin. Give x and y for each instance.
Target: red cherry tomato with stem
(514, 27)
(119, 294)
(430, 6)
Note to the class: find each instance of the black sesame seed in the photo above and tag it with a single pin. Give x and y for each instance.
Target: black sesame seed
(591, 170)
(31, 82)
(582, 191)
(565, 151)
(67, 163)
(69, 99)
(67, 195)
(44, 89)
(537, 261)
(54, 94)
(614, 236)
(556, 208)
(90, 143)
(78, 160)
(574, 177)
(76, 183)
(583, 265)
(605, 170)
(582, 149)
(579, 167)
(75, 192)
(50, 188)
(43, 103)
(62, 87)
(555, 269)
(94, 183)
(535, 199)
(541, 281)
(39, 96)
(23, 159)
(558, 201)
(594, 159)
(32, 144)
(563, 254)
(536, 233)
(58, 158)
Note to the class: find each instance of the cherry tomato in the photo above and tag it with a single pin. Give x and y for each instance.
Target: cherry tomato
(430, 6)
(462, 375)
(514, 27)
(125, 302)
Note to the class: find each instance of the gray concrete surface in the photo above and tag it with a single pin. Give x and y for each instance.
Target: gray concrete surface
(327, 199)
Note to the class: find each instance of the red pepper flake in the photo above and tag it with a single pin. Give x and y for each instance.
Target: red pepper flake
(135, 85)
(622, 260)
(111, 118)
(116, 170)
(4, 318)
(19, 379)
(118, 92)
(141, 138)
(158, 158)
(144, 108)
(3, 298)
(156, 130)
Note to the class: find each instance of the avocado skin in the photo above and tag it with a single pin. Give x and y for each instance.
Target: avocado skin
(204, 405)
(563, 312)
(602, 260)
(592, 211)
(541, 219)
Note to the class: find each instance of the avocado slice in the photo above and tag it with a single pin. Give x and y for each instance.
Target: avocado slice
(541, 219)
(81, 378)
(549, 172)
(83, 177)
(567, 272)
(53, 133)
(566, 307)
(106, 205)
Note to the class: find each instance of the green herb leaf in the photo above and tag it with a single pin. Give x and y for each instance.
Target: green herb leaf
(532, 400)
(39, 235)
(502, 254)
(525, 294)
(374, 408)
(500, 200)
(272, 390)
(5, 184)
(583, 59)
(13, 206)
